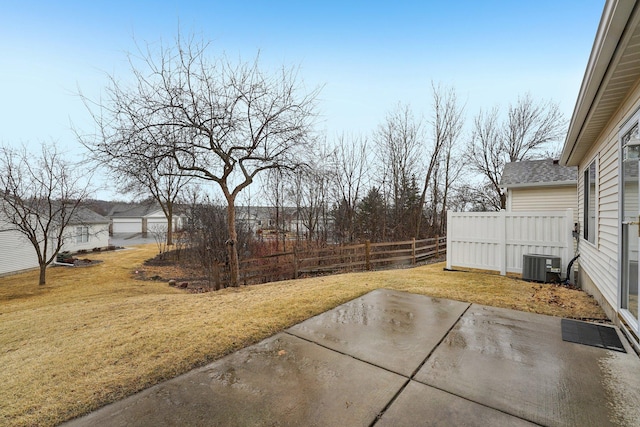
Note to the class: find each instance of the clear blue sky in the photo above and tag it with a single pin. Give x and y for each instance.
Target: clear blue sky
(369, 55)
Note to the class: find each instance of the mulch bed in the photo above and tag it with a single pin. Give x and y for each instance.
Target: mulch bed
(77, 262)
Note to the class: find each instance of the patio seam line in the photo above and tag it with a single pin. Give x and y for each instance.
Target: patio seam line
(345, 354)
(404, 386)
(447, 391)
(477, 403)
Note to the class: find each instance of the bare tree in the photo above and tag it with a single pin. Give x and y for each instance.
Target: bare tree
(524, 134)
(454, 166)
(275, 193)
(530, 127)
(447, 123)
(216, 120)
(141, 174)
(349, 163)
(40, 196)
(399, 141)
(313, 185)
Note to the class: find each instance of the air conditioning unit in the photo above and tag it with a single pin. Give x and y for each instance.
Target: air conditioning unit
(541, 268)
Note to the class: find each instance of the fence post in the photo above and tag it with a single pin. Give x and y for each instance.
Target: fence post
(367, 254)
(413, 251)
(502, 242)
(449, 233)
(437, 246)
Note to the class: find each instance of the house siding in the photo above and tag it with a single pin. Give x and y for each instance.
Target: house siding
(23, 255)
(553, 198)
(98, 238)
(158, 220)
(600, 261)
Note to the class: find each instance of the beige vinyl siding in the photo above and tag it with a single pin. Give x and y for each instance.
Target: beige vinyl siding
(598, 264)
(16, 251)
(608, 203)
(98, 238)
(158, 218)
(600, 261)
(552, 198)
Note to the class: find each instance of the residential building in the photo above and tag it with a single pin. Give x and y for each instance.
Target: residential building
(603, 141)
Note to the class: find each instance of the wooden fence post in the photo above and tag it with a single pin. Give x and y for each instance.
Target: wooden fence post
(437, 246)
(413, 251)
(367, 254)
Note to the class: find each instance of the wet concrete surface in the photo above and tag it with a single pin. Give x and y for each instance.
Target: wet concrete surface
(391, 359)
(420, 405)
(517, 363)
(390, 329)
(283, 380)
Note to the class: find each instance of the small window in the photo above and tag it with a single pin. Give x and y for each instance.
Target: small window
(590, 203)
(82, 234)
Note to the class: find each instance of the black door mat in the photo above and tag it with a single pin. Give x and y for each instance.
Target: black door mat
(591, 334)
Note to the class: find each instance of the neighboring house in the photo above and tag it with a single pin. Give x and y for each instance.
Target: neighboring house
(17, 252)
(255, 218)
(603, 141)
(540, 185)
(87, 231)
(141, 218)
(261, 219)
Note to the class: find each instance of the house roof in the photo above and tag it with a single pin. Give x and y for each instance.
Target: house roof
(536, 173)
(612, 71)
(81, 214)
(87, 216)
(128, 210)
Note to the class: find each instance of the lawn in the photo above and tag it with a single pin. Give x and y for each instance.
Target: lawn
(94, 335)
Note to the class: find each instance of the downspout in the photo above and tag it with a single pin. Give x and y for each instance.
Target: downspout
(576, 235)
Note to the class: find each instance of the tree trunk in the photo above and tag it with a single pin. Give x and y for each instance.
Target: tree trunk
(169, 224)
(43, 272)
(232, 250)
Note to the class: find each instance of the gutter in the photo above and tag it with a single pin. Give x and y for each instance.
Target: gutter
(541, 184)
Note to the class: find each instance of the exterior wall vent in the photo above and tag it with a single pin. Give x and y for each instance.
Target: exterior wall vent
(541, 268)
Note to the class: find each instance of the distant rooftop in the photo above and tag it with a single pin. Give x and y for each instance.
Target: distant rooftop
(532, 173)
(87, 216)
(133, 210)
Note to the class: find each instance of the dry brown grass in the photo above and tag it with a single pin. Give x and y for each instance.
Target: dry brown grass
(94, 335)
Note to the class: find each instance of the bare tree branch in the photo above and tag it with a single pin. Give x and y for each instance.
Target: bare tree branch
(40, 196)
(214, 119)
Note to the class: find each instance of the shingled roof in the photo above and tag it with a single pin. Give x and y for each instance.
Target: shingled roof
(133, 210)
(87, 216)
(535, 173)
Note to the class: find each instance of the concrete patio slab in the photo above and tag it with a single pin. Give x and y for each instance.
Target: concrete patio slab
(392, 358)
(391, 329)
(517, 363)
(283, 380)
(421, 405)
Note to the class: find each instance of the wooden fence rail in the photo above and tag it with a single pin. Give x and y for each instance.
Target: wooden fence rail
(337, 259)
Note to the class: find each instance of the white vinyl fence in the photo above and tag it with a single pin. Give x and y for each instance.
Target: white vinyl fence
(497, 240)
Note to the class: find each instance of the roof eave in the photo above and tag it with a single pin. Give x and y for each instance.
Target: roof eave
(614, 19)
(571, 183)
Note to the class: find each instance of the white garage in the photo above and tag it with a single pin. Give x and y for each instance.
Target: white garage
(141, 218)
(126, 225)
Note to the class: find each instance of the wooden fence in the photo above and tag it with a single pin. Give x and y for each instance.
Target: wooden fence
(337, 259)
